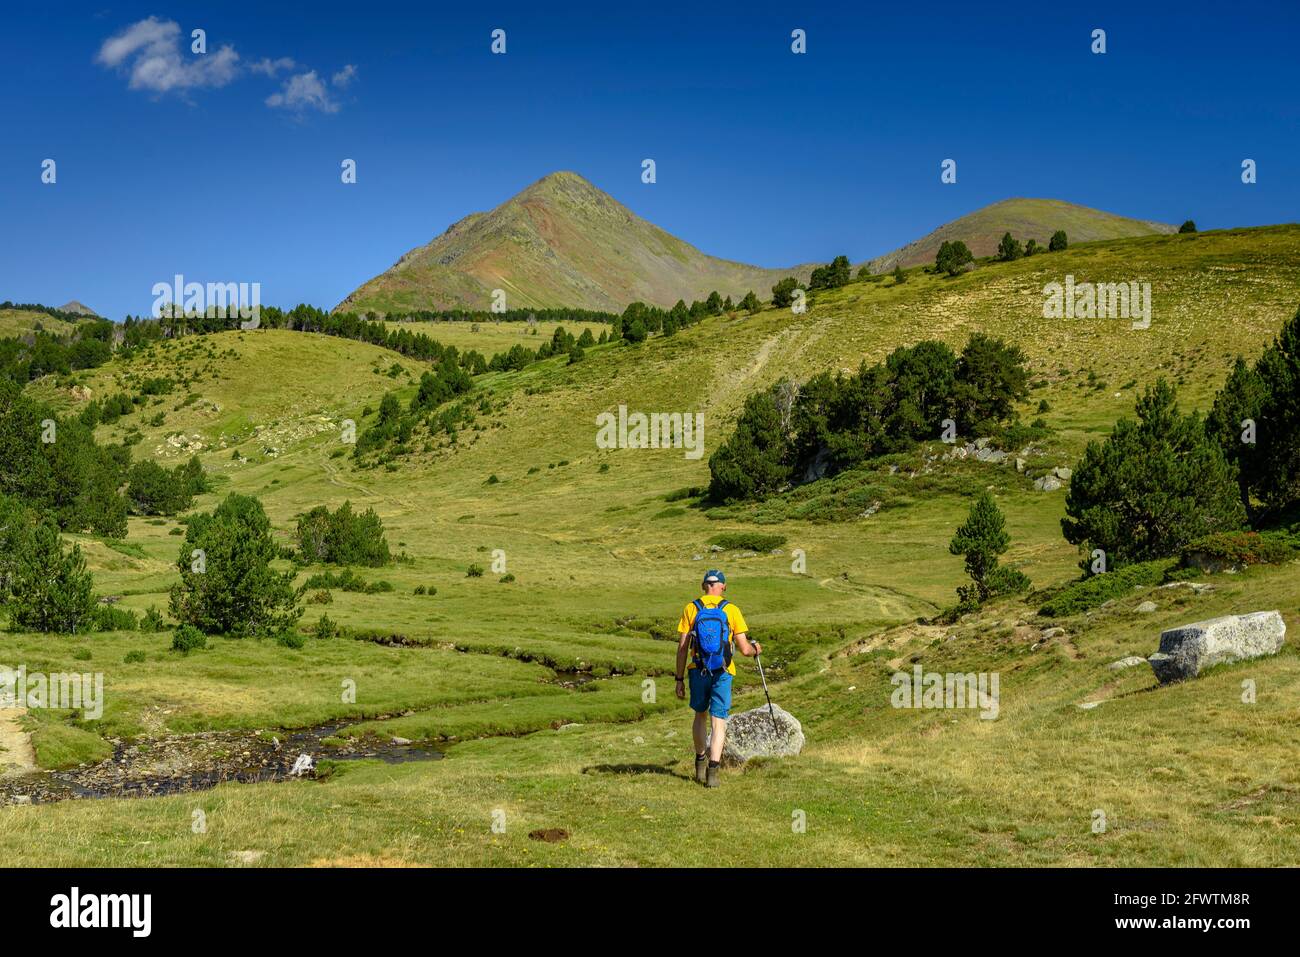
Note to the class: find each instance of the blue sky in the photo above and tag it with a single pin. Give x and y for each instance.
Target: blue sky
(226, 167)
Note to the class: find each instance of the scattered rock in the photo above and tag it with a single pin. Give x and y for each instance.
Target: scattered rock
(1063, 473)
(401, 741)
(1049, 633)
(1047, 483)
(551, 835)
(1089, 705)
(246, 857)
(1132, 661)
(758, 733)
(21, 799)
(1199, 588)
(1020, 464)
(1188, 650)
(1146, 608)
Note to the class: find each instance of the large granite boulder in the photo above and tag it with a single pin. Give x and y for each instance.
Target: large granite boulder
(754, 734)
(1188, 650)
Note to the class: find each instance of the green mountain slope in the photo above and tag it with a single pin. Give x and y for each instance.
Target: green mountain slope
(1023, 218)
(560, 242)
(603, 551)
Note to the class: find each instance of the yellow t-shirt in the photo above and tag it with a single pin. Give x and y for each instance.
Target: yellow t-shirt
(734, 618)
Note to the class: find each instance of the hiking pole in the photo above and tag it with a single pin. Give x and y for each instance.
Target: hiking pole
(759, 659)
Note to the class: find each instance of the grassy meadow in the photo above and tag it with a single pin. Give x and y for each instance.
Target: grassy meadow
(605, 546)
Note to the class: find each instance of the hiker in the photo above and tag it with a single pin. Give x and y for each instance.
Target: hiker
(709, 627)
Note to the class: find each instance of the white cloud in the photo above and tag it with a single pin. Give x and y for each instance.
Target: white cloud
(303, 92)
(154, 55)
(150, 51)
(272, 67)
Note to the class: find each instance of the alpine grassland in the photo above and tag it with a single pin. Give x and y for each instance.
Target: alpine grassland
(546, 680)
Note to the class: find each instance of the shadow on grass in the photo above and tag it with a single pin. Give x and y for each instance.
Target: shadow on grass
(635, 769)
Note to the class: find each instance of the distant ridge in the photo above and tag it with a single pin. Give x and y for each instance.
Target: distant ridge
(79, 308)
(1025, 219)
(563, 242)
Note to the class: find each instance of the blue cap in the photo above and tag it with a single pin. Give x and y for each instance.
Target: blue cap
(713, 575)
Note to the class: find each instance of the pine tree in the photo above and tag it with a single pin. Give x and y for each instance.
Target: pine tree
(981, 539)
(1153, 486)
(52, 591)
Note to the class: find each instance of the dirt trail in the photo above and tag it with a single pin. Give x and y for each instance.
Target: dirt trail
(16, 754)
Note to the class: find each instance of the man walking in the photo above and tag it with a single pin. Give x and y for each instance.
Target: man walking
(709, 627)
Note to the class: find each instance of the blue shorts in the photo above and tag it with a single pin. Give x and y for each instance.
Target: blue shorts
(710, 692)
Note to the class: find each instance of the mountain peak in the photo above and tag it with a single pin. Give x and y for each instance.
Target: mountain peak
(561, 241)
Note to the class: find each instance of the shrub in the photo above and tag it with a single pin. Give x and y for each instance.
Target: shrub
(1088, 593)
(112, 618)
(152, 621)
(751, 541)
(152, 490)
(290, 639)
(507, 578)
(134, 657)
(1239, 549)
(343, 537)
(1058, 242)
(953, 257)
(474, 571)
(187, 638)
(327, 627)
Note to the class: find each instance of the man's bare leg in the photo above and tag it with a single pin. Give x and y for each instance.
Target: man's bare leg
(700, 730)
(719, 736)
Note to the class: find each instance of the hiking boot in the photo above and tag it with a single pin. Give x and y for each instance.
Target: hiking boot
(701, 765)
(711, 780)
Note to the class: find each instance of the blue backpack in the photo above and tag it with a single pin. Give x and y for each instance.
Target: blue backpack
(711, 636)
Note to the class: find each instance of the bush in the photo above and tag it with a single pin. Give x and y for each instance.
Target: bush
(1058, 242)
(507, 578)
(1088, 593)
(187, 638)
(134, 657)
(751, 541)
(290, 639)
(152, 621)
(152, 490)
(112, 618)
(1239, 549)
(327, 627)
(342, 537)
(474, 571)
(953, 257)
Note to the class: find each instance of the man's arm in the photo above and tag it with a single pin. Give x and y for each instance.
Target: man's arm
(683, 643)
(746, 647)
